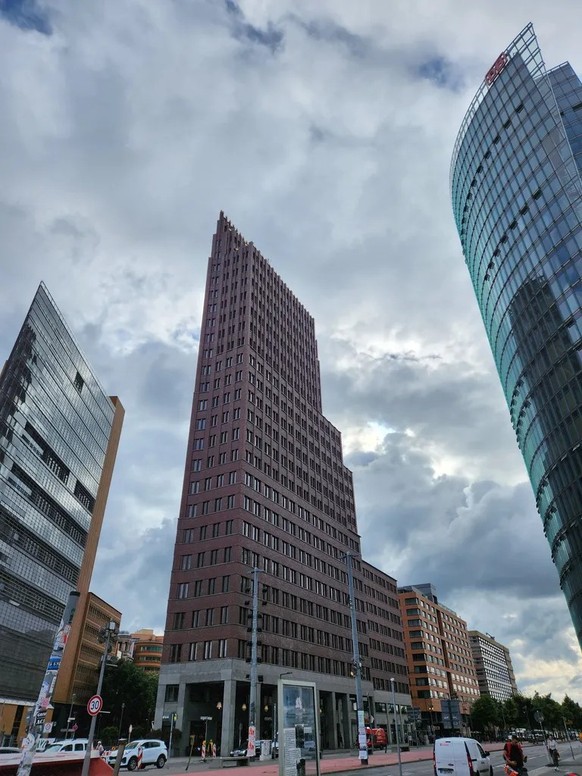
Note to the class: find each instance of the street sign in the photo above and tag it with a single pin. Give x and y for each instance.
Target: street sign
(47, 727)
(95, 705)
(206, 719)
(539, 717)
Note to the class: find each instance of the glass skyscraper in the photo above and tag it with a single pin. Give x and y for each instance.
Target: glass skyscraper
(517, 200)
(58, 439)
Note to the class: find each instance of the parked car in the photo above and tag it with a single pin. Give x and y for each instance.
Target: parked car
(154, 752)
(461, 757)
(242, 750)
(70, 745)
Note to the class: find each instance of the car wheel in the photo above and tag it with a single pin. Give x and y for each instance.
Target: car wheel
(490, 770)
(132, 764)
(161, 761)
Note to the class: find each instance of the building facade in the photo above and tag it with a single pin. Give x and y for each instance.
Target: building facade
(493, 666)
(147, 650)
(517, 199)
(265, 487)
(443, 679)
(58, 440)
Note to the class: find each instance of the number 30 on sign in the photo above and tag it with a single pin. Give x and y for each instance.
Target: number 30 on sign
(95, 705)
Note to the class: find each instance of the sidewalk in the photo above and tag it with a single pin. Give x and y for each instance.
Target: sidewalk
(330, 763)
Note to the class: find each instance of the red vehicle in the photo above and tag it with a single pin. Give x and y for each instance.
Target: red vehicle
(376, 738)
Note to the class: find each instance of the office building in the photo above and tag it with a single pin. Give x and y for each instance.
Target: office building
(517, 200)
(265, 487)
(58, 440)
(493, 666)
(147, 650)
(443, 680)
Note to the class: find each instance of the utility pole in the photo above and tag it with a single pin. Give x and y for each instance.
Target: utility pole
(254, 663)
(357, 666)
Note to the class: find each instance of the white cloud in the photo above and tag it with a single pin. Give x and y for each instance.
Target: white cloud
(325, 131)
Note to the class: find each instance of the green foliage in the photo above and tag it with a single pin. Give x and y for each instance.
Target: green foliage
(108, 736)
(129, 694)
(484, 713)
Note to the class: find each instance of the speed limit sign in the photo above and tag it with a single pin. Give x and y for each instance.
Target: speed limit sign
(95, 705)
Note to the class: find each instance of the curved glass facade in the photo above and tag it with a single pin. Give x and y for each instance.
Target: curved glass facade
(517, 199)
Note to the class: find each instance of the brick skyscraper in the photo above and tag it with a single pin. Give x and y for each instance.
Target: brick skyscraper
(265, 486)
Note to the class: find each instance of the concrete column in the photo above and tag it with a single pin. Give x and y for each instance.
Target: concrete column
(334, 722)
(227, 738)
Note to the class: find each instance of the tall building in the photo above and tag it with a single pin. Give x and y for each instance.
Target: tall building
(517, 199)
(265, 487)
(493, 665)
(443, 680)
(59, 433)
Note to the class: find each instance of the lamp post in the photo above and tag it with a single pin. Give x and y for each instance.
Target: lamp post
(121, 719)
(219, 725)
(392, 682)
(106, 636)
(70, 718)
(357, 663)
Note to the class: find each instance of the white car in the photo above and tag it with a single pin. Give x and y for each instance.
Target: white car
(153, 751)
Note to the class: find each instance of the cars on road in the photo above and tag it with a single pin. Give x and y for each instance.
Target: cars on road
(153, 752)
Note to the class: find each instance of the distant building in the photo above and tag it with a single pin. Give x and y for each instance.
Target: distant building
(443, 680)
(59, 433)
(493, 665)
(147, 650)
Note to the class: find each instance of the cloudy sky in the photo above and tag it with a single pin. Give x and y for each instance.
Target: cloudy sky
(324, 130)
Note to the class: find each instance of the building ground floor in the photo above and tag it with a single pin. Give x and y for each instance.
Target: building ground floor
(210, 701)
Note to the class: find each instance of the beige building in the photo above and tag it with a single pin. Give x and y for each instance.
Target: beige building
(443, 679)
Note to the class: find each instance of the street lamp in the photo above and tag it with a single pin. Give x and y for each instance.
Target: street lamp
(219, 725)
(106, 637)
(70, 718)
(121, 719)
(392, 682)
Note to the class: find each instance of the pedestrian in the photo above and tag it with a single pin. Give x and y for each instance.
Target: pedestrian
(203, 751)
(513, 754)
(552, 748)
(100, 748)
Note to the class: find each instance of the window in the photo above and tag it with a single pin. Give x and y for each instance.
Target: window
(183, 590)
(197, 465)
(175, 653)
(200, 424)
(185, 562)
(171, 695)
(222, 648)
(178, 620)
(192, 651)
(223, 615)
(207, 650)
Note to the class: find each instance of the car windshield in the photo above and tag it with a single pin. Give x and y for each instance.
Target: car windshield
(54, 748)
(132, 745)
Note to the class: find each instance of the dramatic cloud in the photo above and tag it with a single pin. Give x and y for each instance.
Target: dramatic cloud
(325, 131)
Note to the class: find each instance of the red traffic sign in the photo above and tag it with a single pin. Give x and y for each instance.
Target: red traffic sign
(95, 705)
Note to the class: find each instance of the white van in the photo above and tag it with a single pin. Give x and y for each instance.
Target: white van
(72, 745)
(460, 757)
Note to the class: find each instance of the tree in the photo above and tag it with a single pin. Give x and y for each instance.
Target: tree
(129, 694)
(551, 710)
(484, 714)
(572, 713)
